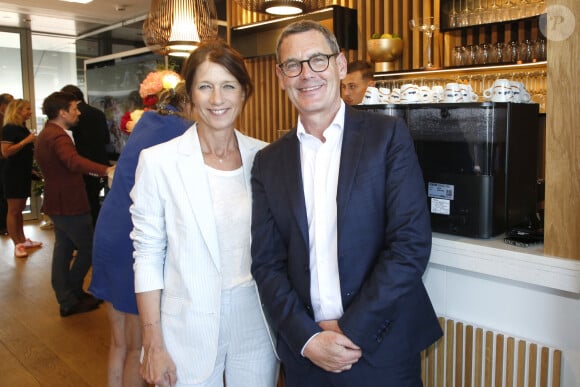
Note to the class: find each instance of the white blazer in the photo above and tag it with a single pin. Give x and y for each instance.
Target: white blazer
(176, 247)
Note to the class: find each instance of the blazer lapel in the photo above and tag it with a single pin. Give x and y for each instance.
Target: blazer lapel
(248, 149)
(191, 169)
(293, 178)
(352, 146)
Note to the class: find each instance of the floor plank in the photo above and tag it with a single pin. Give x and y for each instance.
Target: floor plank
(13, 372)
(37, 346)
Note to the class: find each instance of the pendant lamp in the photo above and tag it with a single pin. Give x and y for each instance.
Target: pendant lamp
(283, 7)
(176, 27)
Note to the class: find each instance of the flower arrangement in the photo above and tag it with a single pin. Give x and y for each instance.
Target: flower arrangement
(129, 120)
(152, 85)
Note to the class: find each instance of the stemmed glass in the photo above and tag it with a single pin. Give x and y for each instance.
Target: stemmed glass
(453, 14)
(466, 13)
(541, 7)
(479, 11)
(509, 10)
(538, 90)
(525, 8)
(494, 11)
(427, 25)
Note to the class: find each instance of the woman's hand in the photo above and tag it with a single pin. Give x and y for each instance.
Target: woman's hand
(158, 368)
(30, 138)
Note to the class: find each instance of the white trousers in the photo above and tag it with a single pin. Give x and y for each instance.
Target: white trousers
(245, 356)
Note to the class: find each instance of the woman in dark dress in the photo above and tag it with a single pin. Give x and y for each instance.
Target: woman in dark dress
(17, 148)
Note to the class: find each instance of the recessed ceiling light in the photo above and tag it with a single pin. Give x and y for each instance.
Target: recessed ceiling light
(78, 1)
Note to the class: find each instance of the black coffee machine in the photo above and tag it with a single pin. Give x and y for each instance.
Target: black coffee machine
(479, 162)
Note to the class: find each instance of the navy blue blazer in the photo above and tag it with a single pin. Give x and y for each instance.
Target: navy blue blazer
(384, 242)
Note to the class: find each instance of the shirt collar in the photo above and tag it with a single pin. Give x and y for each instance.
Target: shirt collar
(70, 134)
(337, 123)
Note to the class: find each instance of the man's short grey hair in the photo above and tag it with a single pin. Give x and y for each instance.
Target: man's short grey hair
(305, 26)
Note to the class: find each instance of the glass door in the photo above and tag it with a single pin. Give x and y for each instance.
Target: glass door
(16, 70)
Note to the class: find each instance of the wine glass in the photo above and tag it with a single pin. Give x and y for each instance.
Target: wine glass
(525, 8)
(509, 10)
(494, 11)
(453, 14)
(478, 14)
(427, 25)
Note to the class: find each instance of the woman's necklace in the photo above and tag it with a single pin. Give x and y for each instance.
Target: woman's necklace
(221, 158)
(224, 156)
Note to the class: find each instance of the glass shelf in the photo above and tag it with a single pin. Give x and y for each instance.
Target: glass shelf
(460, 14)
(516, 67)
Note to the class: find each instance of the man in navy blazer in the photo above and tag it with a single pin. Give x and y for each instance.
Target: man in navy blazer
(340, 231)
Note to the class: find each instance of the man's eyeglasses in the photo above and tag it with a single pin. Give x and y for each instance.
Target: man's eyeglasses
(317, 63)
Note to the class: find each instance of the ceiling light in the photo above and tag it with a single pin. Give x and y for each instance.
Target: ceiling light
(282, 7)
(78, 1)
(178, 26)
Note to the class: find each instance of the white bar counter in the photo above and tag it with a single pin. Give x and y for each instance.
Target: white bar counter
(514, 290)
(494, 257)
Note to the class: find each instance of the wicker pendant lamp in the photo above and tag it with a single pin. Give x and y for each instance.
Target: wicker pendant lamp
(283, 7)
(175, 27)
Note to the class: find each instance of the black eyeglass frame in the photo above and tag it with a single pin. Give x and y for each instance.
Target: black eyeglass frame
(301, 63)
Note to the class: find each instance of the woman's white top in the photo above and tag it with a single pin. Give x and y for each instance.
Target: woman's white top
(232, 212)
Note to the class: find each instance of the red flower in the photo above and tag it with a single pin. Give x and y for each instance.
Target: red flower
(150, 101)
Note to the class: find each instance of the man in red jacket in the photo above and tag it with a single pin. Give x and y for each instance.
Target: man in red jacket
(91, 136)
(65, 201)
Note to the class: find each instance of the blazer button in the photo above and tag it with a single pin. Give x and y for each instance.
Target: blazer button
(306, 268)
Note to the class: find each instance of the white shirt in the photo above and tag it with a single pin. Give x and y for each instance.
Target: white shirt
(70, 134)
(320, 164)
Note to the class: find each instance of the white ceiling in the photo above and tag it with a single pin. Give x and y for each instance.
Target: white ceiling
(69, 19)
(57, 24)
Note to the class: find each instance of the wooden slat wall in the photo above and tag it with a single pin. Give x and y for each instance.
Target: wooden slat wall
(472, 356)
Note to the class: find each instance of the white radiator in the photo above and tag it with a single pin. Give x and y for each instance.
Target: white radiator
(468, 356)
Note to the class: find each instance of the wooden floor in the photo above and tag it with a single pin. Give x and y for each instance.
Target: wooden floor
(37, 346)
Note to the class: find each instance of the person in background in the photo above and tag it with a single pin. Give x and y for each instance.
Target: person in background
(112, 278)
(5, 99)
(340, 231)
(359, 76)
(65, 201)
(17, 148)
(200, 312)
(91, 136)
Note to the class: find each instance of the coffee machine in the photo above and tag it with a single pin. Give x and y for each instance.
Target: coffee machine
(479, 162)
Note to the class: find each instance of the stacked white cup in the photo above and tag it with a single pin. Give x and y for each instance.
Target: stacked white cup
(500, 91)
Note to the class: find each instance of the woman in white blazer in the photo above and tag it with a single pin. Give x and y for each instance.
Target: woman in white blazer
(198, 303)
